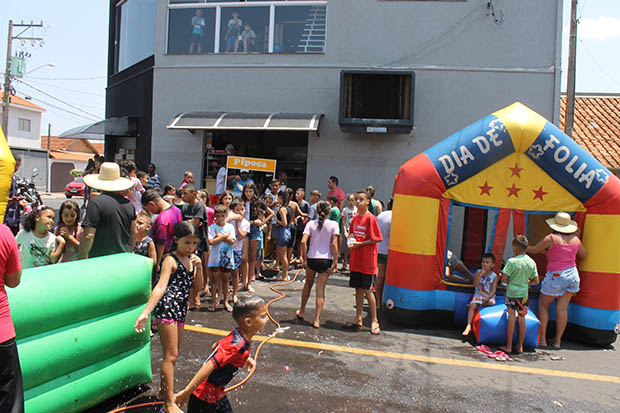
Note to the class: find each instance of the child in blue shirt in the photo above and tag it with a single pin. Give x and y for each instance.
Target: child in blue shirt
(221, 257)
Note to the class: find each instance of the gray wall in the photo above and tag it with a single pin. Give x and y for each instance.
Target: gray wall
(33, 159)
(466, 65)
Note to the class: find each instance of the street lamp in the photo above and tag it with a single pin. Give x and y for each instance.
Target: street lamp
(52, 64)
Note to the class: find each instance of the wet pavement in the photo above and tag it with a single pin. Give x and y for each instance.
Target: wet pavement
(402, 370)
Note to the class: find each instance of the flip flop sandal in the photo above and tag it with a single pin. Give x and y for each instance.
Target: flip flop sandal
(375, 331)
(501, 356)
(228, 309)
(484, 349)
(211, 309)
(352, 326)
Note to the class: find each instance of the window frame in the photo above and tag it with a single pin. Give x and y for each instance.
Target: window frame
(24, 121)
(197, 4)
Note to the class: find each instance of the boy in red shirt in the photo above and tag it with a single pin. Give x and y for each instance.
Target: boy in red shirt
(205, 392)
(363, 239)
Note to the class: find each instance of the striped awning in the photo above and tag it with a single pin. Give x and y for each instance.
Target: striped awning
(245, 121)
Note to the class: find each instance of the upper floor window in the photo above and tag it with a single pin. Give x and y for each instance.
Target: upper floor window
(24, 125)
(292, 26)
(135, 32)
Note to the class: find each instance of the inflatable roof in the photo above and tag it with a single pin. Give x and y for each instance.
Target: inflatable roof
(517, 165)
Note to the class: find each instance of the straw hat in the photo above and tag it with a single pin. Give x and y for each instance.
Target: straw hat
(109, 179)
(562, 223)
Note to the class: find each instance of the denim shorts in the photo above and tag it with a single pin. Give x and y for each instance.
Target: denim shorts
(254, 234)
(556, 283)
(283, 236)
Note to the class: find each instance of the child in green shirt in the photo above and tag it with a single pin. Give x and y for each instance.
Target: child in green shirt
(519, 272)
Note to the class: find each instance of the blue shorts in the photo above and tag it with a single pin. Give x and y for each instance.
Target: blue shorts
(230, 42)
(283, 236)
(238, 258)
(556, 283)
(254, 234)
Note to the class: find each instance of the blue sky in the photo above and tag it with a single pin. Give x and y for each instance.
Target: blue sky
(76, 38)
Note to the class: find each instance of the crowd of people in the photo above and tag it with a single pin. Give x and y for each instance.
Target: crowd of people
(218, 251)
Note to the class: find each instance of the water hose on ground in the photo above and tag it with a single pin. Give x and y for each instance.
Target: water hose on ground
(258, 349)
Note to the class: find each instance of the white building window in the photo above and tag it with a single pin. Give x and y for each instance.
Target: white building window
(24, 125)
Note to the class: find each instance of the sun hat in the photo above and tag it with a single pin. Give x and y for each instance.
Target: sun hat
(562, 223)
(244, 171)
(108, 179)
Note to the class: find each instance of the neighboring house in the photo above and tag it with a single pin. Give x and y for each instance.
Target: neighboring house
(325, 87)
(597, 126)
(67, 154)
(24, 123)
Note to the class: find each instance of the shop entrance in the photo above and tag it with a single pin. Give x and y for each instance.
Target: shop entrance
(288, 148)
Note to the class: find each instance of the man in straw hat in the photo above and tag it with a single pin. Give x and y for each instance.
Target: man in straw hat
(109, 224)
(561, 281)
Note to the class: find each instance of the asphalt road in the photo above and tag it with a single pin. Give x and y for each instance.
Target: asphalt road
(402, 370)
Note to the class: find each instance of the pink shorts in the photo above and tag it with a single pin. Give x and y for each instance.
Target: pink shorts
(167, 321)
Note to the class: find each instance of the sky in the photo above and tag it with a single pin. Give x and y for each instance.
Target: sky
(76, 41)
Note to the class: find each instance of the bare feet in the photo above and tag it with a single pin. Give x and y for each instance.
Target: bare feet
(542, 343)
(172, 408)
(250, 289)
(518, 350)
(467, 330)
(299, 314)
(234, 299)
(555, 344)
(316, 324)
(506, 349)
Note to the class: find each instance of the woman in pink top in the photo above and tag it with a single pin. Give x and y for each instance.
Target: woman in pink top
(561, 281)
(321, 258)
(11, 386)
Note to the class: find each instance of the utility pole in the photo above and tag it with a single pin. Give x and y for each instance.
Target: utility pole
(7, 71)
(570, 84)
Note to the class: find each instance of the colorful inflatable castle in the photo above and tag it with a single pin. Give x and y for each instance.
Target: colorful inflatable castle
(472, 192)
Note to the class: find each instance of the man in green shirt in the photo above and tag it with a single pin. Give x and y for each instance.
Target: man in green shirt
(519, 272)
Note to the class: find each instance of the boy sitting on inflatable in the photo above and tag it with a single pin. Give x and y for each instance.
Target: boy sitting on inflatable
(519, 272)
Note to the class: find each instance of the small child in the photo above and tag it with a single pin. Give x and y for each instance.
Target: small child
(334, 212)
(348, 213)
(37, 245)
(365, 234)
(248, 36)
(144, 244)
(221, 258)
(242, 228)
(485, 284)
(168, 302)
(315, 197)
(70, 230)
(519, 272)
(205, 392)
(260, 249)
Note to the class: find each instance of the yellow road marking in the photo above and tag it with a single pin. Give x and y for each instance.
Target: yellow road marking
(419, 358)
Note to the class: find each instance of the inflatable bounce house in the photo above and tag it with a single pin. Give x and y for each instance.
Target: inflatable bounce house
(74, 324)
(472, 192)
(7, 167)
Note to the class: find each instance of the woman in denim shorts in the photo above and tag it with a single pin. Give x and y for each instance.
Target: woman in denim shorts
(561, 282)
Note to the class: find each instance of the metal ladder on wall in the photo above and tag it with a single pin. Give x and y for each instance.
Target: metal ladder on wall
(313, 37)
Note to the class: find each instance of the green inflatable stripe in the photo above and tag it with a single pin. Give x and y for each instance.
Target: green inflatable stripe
(58, 295)
(92, 385)
(77, 346)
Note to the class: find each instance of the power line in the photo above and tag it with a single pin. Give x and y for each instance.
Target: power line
(59, 100)
(68, 78)
(65, 88)
(75, 116)
(597, 64)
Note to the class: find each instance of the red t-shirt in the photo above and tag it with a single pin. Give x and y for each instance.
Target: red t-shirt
(228, 357)
(339, 194)
(364, 259)
(9, 263)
